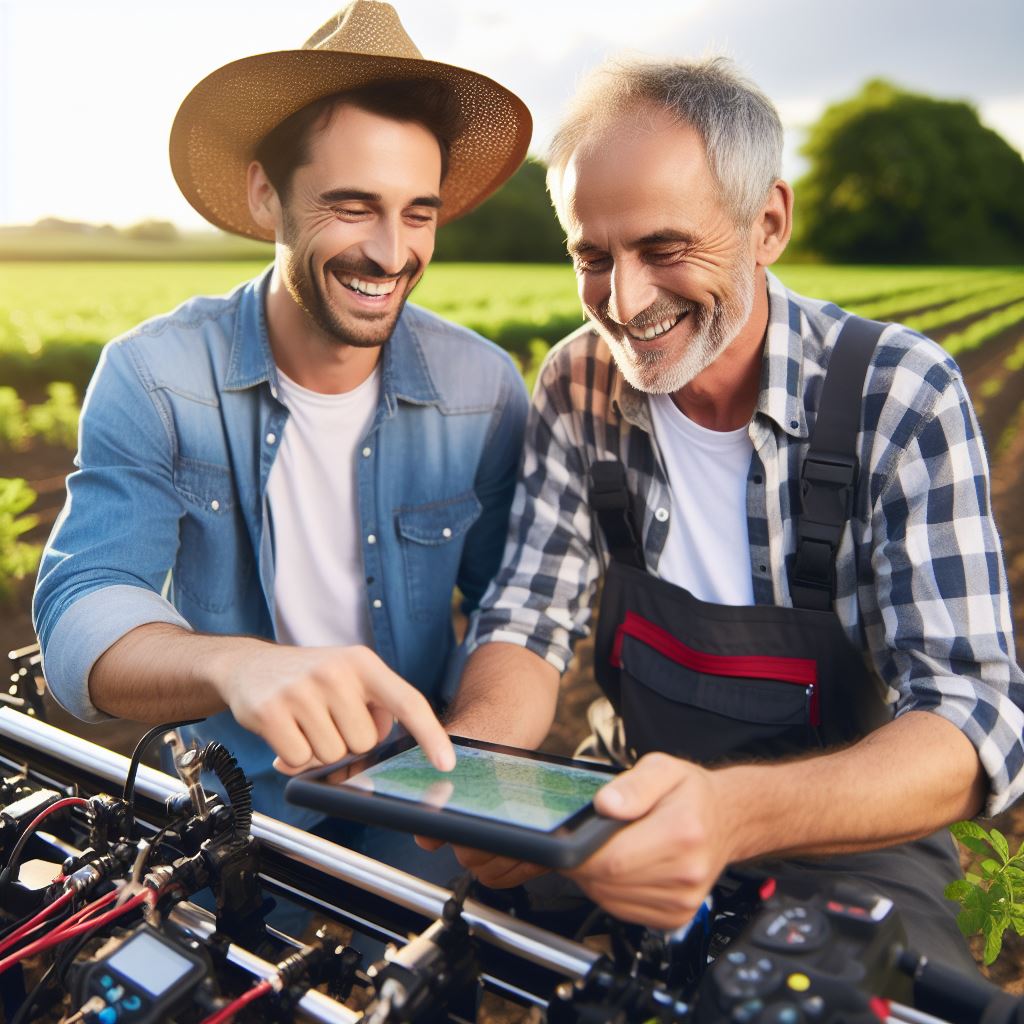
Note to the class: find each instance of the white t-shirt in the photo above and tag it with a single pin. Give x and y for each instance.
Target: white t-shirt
(707, 550)
(319, 583)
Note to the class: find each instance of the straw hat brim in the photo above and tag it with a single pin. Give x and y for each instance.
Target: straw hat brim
(222, 120)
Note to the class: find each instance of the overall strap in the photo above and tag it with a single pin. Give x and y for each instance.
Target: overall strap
(616, 515)
(828, 480)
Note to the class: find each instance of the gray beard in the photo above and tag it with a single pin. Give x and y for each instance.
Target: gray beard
(649, 372)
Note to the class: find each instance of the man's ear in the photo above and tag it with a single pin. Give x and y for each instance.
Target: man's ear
(774, 224)
(264, 204)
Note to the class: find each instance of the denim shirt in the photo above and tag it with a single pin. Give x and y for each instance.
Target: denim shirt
(167, 518)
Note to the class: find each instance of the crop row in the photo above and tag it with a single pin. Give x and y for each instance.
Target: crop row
(977, 333)
(900, 305)
(991, 299)
(54, 318)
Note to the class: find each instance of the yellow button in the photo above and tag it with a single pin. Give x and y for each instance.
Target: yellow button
(798, 982)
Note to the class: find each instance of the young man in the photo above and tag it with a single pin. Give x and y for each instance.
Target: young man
(279, 490)
(761, 562)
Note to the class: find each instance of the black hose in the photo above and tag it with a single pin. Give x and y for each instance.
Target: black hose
(219, 760)
(133, 769)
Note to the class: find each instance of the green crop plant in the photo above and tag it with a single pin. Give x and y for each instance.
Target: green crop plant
(15, 432)
(18, 558)
(993, 901)
(56, 419)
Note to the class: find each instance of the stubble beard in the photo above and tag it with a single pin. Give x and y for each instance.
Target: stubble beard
(308, 293)
(663, 372)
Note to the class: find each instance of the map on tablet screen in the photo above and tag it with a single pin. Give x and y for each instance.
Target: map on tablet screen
(534, 794)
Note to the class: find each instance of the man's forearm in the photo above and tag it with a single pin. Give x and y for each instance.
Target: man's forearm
(159, 672)
(507, 695)
(902, 782)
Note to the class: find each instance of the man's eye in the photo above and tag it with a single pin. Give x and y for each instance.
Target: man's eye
(351, 211)
(665, 257)
(591, 264)
(419, 218)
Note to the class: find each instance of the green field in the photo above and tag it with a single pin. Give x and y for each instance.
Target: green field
(55, 316)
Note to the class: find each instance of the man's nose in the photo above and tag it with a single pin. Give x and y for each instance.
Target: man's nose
(385, 247)
(630, 293)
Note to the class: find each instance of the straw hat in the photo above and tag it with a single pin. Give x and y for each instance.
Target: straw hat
(225, 116)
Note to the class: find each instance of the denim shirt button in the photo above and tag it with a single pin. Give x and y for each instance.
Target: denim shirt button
(371, 538)
(378, 603)
(215, 504)
(271, 438)
(446, 532)
(661, 515)
(367, 452)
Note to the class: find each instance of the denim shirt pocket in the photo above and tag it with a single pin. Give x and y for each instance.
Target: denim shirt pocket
(432, 537)
(214, 561)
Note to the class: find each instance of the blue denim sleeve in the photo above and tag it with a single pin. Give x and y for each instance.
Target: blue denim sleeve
(495, 485)
(114, 544)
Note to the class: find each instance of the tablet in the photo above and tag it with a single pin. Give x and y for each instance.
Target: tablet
(519, 803)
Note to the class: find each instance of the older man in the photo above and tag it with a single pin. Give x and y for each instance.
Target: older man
(796, 508)
(279, 490)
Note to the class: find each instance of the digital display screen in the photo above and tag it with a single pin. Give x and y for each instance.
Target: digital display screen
(150, 963)
(533, 794)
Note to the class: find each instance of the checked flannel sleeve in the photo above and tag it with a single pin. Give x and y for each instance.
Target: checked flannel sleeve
(542, 595)
(935, 602)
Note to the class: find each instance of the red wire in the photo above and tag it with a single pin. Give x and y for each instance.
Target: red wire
(227, 1012)
(89, 909)
(63, 934)
(36, 922)
(68, 801)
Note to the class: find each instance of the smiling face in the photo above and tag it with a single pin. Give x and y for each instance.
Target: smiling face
(356, 230)
(663, 270)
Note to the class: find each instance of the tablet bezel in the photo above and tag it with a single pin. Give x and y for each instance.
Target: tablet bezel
(564, 846)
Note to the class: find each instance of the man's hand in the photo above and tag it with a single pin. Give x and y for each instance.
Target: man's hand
(658, 870)
(315, 705)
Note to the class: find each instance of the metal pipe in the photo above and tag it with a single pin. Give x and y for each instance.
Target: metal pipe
(537, 945)
(200, 924)
(901, 1014)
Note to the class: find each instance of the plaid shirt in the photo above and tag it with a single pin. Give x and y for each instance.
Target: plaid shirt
(920, 580)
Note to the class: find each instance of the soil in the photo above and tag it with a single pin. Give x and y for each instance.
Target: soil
(999, 399)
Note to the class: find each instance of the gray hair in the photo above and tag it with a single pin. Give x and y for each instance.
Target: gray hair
(738, 124)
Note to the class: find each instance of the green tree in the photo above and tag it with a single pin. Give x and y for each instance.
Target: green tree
(897, 177)
(516, 225)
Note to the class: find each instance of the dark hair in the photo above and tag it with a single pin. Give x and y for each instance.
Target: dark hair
(423, 101)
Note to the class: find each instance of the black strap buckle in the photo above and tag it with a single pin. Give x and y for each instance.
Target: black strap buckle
(828, 483)
(613, 505)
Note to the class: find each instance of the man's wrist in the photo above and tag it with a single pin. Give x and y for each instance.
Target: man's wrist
(221, 666)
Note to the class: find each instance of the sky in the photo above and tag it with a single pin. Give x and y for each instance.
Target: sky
(88, 90)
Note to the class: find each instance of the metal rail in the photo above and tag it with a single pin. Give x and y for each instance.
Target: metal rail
(534, 944)
(201, 924)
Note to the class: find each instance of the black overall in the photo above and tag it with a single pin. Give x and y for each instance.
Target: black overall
(716, 683)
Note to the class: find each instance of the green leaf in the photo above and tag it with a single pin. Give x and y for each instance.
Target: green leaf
(993, 941)
(958, 890)
(999, 844)
(991, 868)
(976, 912)
(971, 835)
(973, 878)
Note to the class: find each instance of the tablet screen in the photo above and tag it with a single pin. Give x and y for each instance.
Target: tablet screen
(533, 794)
